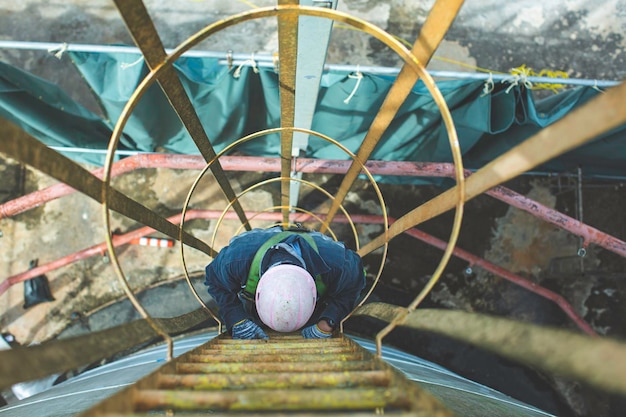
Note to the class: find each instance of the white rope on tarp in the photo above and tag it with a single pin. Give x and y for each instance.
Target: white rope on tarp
(358, 75)
(58, 50)
(519, 78)
(488, 86)
(251, 62)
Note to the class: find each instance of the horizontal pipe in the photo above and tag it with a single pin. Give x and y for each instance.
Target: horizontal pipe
(307, 165)
(494, 269)
(509, 276)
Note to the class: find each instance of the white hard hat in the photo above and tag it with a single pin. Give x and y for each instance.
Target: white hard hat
(285, 297)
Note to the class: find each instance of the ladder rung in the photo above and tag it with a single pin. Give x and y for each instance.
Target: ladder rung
(261, 385)
(319, 350)
(276, 344)
(270, 400)
(275, 357)
(264, 367)
(400, 413)
(380, 378)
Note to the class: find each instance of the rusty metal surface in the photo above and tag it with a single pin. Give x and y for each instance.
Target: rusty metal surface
(352, 383)
(275, 414)
(275, 380)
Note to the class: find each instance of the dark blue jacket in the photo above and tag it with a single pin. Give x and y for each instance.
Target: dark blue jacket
(341, 270)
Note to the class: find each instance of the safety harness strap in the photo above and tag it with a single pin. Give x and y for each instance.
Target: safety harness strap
(255, 268)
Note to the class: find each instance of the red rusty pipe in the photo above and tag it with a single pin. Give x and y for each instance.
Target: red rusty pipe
(34, 199)
(306, 165)
(98, 249)
(119, 240)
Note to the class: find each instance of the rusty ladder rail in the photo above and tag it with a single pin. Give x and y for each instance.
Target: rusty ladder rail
(286, 374)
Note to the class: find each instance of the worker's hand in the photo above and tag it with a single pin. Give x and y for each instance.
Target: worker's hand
(314, 332)
(247, 329)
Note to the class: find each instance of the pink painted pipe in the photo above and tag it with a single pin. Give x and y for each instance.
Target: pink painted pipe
(119, 240)
(250, 163)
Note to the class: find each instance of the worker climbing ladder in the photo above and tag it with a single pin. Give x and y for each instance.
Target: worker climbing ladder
(285, 374)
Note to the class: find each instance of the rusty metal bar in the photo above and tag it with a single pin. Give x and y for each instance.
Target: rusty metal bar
(243, 345)
(147, 39)
(600, 362)
(230, 349)
(331, 347)
(275, 356)
(435, 27)
(275, 380)
(283, 351)
(270, 400)
(265, 367)
(30, 151)
(63, 355)
(282, 414)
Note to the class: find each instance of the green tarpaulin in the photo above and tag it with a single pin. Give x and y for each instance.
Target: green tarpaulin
(231, 106)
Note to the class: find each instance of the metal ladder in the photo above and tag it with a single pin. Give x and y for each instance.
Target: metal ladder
(286, 375)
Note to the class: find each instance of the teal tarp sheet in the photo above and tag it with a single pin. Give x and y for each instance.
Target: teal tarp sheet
(230, 107)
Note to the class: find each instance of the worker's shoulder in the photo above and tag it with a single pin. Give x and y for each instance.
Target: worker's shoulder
(254, 235)
(321, 238)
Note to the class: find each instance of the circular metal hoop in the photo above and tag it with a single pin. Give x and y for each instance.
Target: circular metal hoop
(258, 134)
(374, 31)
